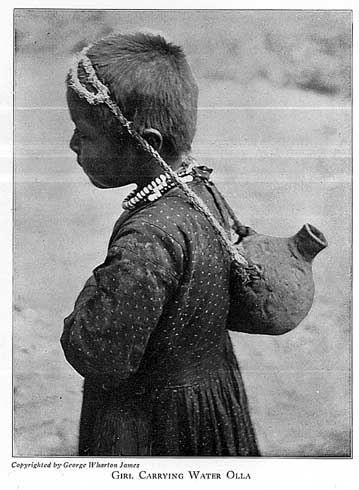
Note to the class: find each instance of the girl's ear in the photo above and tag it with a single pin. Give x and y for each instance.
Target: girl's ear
(153, 137)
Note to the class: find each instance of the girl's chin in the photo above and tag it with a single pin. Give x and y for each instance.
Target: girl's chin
(96, 183)
(102, 185)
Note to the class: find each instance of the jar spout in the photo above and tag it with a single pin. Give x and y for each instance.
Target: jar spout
(309, 241)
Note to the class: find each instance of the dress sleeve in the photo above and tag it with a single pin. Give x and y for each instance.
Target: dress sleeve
(106, 335)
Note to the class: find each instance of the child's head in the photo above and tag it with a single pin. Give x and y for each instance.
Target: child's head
(152, 83)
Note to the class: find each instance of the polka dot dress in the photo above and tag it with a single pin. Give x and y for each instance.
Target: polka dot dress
(148, 333)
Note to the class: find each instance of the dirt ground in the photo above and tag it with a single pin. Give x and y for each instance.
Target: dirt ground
(282, 155)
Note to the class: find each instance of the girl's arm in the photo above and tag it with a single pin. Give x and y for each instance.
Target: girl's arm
(87, 291)
(107, 333)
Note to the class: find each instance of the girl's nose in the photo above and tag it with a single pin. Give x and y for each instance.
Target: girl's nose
(75, 142)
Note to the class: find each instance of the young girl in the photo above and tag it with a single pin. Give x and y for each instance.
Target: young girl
(148, 331)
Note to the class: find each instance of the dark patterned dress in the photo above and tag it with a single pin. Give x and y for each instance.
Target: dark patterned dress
(148, 333)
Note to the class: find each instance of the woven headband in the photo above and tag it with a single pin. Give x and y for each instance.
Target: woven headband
(242, 268)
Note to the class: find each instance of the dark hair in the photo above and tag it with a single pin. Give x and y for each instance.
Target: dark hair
(151, 81)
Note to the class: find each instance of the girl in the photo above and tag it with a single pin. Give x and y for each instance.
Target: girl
(148, 331)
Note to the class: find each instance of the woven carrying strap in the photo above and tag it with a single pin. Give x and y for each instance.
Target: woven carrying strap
(240, 266)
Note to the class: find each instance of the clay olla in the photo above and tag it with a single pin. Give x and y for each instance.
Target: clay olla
(281, 296)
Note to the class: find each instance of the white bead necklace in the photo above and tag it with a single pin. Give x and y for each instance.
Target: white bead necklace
(152, 191)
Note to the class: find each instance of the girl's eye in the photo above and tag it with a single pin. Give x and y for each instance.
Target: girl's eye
(79, 134)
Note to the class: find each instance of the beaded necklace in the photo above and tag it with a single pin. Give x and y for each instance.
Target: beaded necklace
(154, 190)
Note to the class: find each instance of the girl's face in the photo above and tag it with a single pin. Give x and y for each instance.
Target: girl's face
(107, 162)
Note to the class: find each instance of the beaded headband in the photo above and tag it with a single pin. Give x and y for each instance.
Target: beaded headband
(246, 272)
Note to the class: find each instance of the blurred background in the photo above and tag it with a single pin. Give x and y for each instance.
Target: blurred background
(274, 122)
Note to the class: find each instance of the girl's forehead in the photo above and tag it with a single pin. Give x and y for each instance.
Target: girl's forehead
(80, 110)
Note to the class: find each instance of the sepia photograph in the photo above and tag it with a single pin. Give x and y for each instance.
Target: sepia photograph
(182, 233)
